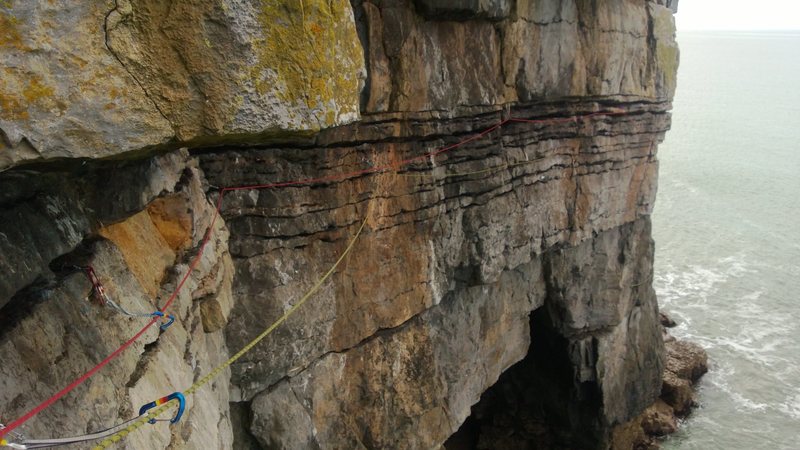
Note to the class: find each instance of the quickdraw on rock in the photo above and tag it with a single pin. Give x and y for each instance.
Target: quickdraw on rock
(23, 443)
(99, 293)
(174, 396)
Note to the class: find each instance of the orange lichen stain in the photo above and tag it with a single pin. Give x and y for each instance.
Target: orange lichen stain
(173, 220)
(315, 28)
(144, 249)
(108, 106)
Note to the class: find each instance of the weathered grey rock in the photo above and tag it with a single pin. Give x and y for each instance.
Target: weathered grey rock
(685, 363)
(47, 213)
(597, 301)
(95, 79)
(671, 4)
(544, 49)
(578, 379)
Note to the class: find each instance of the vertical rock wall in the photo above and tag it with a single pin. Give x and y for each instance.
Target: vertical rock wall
(530, 242)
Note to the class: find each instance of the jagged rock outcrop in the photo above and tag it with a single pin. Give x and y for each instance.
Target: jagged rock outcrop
(685, 363)
(526, 246)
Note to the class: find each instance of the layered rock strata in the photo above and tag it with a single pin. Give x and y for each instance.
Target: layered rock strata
(528, 242)
(437, 240)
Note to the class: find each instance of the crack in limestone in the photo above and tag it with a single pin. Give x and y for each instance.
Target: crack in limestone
(106, 29)
(149, 351)
(378, 333)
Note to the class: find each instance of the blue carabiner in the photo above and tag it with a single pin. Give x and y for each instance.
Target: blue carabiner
(164, 326)
(175, 395)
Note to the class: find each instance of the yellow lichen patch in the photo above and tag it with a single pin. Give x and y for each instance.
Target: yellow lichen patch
(173, 220)
(15, 100)
(35, 90)
(145, 251)
(11, 108)
(310, 55)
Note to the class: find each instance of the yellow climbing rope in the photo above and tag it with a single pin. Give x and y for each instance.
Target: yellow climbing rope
(111, 440)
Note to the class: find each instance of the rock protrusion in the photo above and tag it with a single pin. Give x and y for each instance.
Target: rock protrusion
(686, 362)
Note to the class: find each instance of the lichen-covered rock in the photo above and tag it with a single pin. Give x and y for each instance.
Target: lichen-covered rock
(227, 67)
(62, 92)
(94, 79)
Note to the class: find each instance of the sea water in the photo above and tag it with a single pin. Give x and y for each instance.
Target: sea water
(727, 232)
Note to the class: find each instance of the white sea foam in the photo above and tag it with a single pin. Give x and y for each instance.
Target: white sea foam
(791, 407)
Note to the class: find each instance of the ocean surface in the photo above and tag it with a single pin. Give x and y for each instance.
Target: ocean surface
(727, 232)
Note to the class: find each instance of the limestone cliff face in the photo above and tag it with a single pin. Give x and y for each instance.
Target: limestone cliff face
(529, 245)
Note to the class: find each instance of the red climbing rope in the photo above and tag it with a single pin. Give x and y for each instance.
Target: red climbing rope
(78, 381)
(392, 166)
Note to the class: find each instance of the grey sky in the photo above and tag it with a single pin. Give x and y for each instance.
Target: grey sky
(738, 15)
